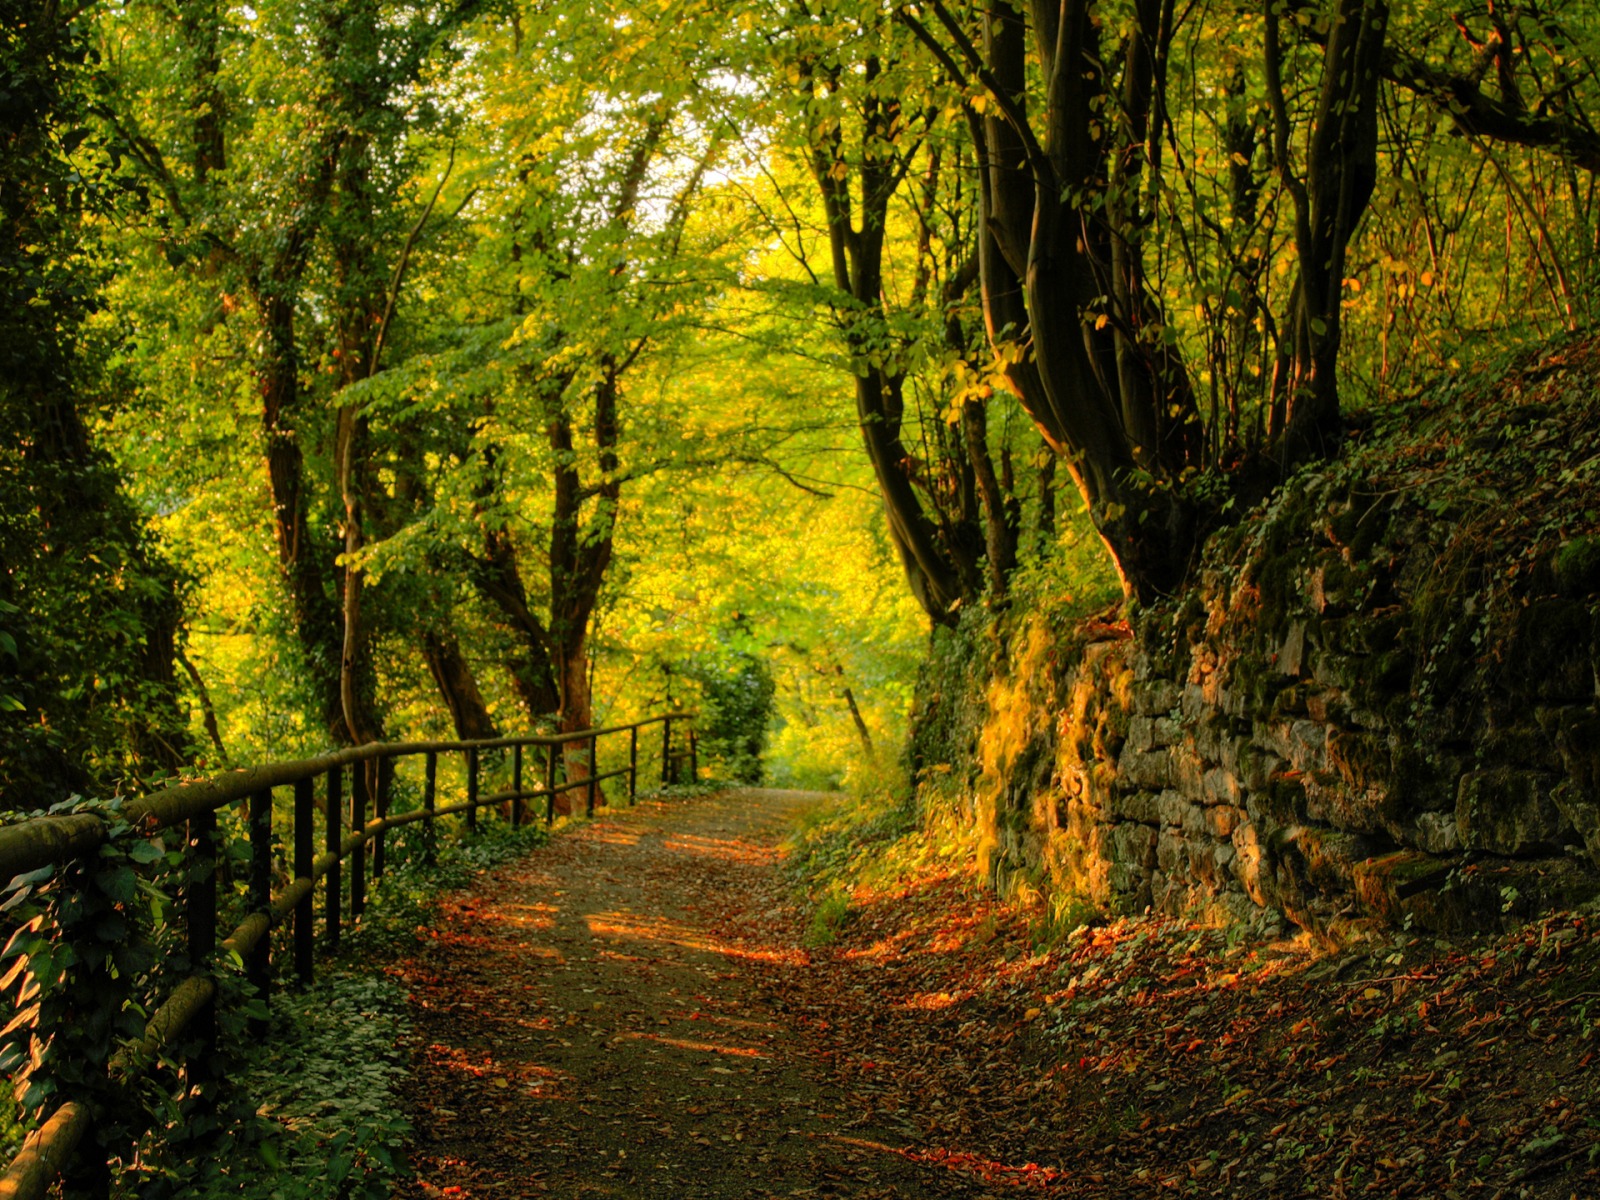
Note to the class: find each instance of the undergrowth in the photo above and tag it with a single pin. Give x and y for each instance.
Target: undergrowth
(312, 1113)
(312, 1109)
(876, 838)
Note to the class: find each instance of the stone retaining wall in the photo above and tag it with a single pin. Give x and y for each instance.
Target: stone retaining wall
(1317, 739)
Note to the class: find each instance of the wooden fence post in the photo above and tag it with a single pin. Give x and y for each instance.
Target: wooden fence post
(359, 787)
(385, 787)
(303, 855)
(259, 967)
(694, 756)
(594, 769)
(200, 916)
(332, 883)
(472, 789)
(516, 784)
(430, 833)
(633, 766)
(549, 783)
(666, 751)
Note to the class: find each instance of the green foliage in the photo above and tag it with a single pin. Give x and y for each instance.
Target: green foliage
(84, 941)
(950, 707)
(736, 708)
(868, 838)
(88, 604)
(828, 918)
(313, 1113)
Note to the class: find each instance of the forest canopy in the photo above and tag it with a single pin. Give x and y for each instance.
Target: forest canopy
(378, 369)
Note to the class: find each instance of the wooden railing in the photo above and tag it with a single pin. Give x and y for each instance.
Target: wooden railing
(46, 841)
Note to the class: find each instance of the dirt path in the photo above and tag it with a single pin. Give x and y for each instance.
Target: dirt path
(603, 1019)
(628, 1012)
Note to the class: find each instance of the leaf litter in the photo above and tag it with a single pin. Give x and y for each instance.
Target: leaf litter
(632, 1012)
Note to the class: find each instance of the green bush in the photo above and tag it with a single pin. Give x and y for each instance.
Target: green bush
(737, 694)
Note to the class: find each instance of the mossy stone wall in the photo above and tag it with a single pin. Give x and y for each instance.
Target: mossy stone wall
(1377, 704)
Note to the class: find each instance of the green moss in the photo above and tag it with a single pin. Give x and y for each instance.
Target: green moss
(1577, 566)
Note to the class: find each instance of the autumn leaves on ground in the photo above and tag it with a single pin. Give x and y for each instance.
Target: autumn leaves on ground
(633, 1011)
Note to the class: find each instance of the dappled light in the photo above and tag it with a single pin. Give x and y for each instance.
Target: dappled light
(658, 930)
(637, 1005)
(800, 600)
(700, 1047)
(733, 851)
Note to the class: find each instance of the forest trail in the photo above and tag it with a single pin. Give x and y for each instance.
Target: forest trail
(630, 1012)
(599, 1019)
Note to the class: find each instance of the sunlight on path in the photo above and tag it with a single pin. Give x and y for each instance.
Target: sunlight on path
(600, 1019)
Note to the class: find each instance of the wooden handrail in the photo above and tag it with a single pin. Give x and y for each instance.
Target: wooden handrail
(43, 841)
(29, 845)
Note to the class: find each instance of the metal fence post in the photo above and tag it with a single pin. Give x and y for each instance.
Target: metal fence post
(549, 783)
(259, 968)
(594, 769)
(200, 916)
(385, 787)
(360, 785)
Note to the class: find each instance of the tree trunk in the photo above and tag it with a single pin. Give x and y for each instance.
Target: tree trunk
(207, 709)
(304, 559)
(940, 557)
(1341, 173)
(453, 674)
(355, 667)
(579, 557)
(855, 716)
(497, 577)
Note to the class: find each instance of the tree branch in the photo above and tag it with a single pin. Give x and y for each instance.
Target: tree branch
(1038, 162)
(399, 275)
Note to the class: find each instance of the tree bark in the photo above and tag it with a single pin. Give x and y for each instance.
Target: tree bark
(452, 673)
(855, 716)
(304, 558)
(1341, 172)
(1066, 305)
(207, 709)
(496, 575)
(939, 556)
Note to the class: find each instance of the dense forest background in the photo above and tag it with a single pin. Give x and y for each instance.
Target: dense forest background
(386, 369)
